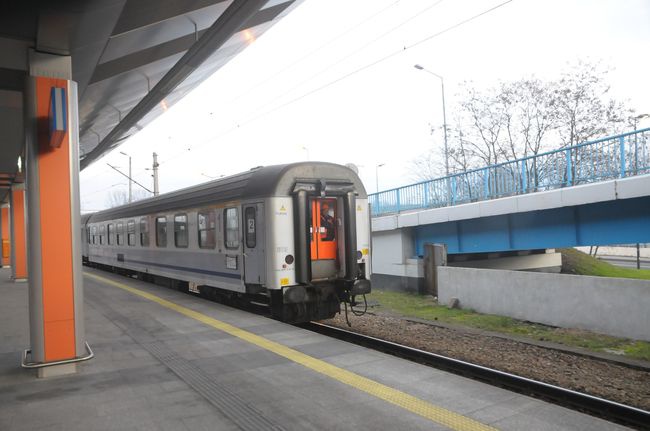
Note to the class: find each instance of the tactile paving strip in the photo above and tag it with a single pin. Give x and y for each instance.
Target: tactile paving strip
(241, 413)
(394, 396)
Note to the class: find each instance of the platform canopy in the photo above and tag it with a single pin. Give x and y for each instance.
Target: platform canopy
(132, 60)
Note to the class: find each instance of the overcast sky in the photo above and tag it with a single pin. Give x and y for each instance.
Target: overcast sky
(334, 81)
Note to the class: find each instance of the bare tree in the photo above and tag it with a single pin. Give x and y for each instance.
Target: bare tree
(524, 118)
(584, 109)
(485, 121)
(426, 166)
(431, 164)
(120, 197)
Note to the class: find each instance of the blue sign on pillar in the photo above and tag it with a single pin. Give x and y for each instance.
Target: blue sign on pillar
(58, 116)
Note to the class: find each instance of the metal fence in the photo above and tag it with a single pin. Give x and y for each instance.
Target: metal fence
(613, 157)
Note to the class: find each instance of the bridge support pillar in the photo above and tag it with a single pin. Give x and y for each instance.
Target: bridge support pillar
(17, 225)
(57, 335)
(435, 255)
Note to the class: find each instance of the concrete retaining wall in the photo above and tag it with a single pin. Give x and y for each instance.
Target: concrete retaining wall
(613, 306)
(392, 264)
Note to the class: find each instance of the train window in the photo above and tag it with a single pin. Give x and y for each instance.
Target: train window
(231, 221)
(93, 230)
(144, 232)
(207, 227)
(130, 232)
(111, 233)
(120, 233)
(88, 234)
(102, 233)
(249, 215)
(161, 231)
(180, 230)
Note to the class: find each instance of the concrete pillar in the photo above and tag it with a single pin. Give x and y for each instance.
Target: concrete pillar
(435, 255)
(55, 279)
(18, 235)
(5, 243)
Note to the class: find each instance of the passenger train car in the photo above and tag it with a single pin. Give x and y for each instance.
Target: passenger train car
(296, 235)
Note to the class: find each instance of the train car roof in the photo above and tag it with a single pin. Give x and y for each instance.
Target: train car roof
(260, 182)
(85, 217)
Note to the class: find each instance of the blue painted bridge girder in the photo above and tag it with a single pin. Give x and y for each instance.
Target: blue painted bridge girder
(623, 221)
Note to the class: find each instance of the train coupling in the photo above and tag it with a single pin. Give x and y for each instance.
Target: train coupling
(360, 287)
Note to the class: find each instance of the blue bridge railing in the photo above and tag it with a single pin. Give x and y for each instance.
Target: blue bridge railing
(613, 157)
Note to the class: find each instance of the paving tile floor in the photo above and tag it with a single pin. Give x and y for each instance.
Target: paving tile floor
(156, 369)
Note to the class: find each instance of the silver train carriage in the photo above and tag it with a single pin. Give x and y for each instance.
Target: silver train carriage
(295, 236)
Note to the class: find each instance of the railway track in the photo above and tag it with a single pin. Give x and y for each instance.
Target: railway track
(608, 410)
(595, 406)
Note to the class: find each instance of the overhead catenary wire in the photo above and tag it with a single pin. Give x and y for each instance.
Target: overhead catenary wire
(327, 68)
(343, 77)
(355, 52)
(379, 60)
(103, 172)
(313, 52)
(335, 81)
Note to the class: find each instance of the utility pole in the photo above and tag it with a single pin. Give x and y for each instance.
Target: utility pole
(155, 174)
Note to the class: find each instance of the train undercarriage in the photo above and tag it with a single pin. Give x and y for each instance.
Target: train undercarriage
(295, 304)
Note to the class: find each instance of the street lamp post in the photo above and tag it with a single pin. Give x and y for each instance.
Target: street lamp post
(377, 175)
(636, 167)
(444, 113)
(130, 180)
(636, 140)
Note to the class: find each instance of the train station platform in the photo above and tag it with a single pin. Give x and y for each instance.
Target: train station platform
(170, 361)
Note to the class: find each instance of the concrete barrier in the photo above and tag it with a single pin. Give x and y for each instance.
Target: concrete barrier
(614, 306)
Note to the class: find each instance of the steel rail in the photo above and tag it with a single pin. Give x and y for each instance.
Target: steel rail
(595, 406)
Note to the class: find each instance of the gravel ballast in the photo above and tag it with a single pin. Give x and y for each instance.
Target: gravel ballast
(591, 375)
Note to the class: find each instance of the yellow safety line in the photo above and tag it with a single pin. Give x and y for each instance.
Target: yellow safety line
(408, 402)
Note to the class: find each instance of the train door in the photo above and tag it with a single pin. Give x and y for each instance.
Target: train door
(324, 236)
(254, 259)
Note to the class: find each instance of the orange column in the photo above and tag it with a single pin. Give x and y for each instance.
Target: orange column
(52, 178)
(18, 233)
(55, 242)
(5, 244)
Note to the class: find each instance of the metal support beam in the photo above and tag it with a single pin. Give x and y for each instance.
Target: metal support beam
(238, 13)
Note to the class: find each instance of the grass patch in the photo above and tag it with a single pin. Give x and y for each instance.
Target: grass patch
(577, 262)
(424, 307)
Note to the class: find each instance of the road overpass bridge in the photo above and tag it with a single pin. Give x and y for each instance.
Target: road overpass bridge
(596, 193)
